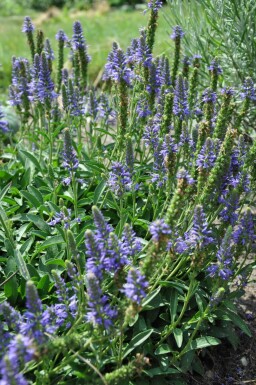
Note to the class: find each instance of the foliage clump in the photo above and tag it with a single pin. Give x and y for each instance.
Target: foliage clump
(125, 218)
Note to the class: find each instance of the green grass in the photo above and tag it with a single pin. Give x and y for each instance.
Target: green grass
(100, 32)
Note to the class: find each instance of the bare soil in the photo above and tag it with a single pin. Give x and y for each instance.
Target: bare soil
(226, 366)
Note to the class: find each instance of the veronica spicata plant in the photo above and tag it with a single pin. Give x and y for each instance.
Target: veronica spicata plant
(125, 213)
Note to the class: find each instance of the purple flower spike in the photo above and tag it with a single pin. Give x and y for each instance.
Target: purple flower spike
(44, 87)
(143, 54)
(100, 311)
(3, 123)
(130, 244)
(207, 155)
(199, 235)
(28, 25)
(70, 160)
(180, 101)
(249, 90)
(159, 230)
(135, 286)
(10, 373)
(119, 179)
(155, 5)
(78, 39)
(11, 316)
(48, 50)
(21, 350)
(209, 96)
(215, 67)
(61, 36)
(223, 266)
(33, 316)
(177, 33)
(183, 174)
(245, 232)
(116, 68)
(103, 229)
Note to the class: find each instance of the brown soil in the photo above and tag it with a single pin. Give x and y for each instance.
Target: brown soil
(226, 366)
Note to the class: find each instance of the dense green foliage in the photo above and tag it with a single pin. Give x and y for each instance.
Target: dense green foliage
(126, 226)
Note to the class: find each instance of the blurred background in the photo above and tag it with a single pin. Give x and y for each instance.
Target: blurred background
(223, 28)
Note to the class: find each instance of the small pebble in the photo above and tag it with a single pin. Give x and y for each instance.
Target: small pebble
(244, 361)
(209, 374)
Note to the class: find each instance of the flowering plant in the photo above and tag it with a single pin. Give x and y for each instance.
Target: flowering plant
(125, 217)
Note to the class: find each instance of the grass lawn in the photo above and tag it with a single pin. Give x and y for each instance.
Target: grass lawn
(100, 29)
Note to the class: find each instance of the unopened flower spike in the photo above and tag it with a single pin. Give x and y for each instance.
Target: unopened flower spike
(193, 83)
(177, 35)
(168, 113)
(224, 114)
(129, 156)
(39, 41)
(180, 105)
(209, 99)
(154, 7)
(186, 66)
(49, 53)
(28, 28)
(205, 161)
(61, 37)
(215, 71)
(184, 180)
(220, 168)
(248, 95)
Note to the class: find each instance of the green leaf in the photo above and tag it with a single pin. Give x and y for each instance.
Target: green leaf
(34, 191)
(31, 199)
(238, 322)
(32, 271)
(199, 302)
(99, 191)
(178, 335)
(202, 342)
(50, 242)
(4, 191)
(32, 158)
(21, 265)
(148, 301)
(136, 341)
(39, 222)
(44, 283)
(163, 349)
(27, 245)
(186, 361)
(121, 223)
(56, 261)
(178, 286)
(160, 372)
(173, 304)
(11, 289)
